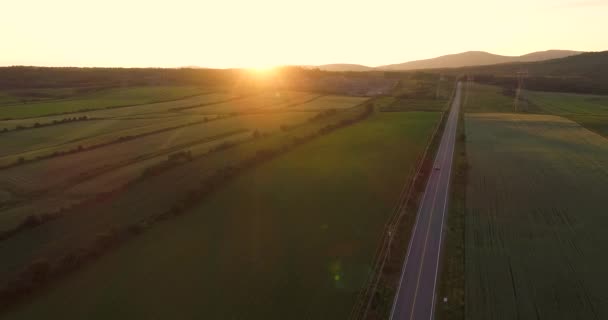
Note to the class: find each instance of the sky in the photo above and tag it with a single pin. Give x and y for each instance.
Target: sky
(264, 33)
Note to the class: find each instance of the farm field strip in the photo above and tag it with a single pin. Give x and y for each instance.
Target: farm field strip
(151, 110)
(115, 178)
(329, 102)
(257, 102)
(103, 99)
(308, 259)
(535, 224)
(591, 111)
(58, 170)
(415, 105)
(482, 98)
(139, 201)
(22, 96)
(105, 181)
(45, 140)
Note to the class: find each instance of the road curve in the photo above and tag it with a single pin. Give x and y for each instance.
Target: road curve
(415, 297)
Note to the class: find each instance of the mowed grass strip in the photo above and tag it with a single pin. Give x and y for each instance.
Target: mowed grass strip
(292, 239)
(98, 100)
(536, 219)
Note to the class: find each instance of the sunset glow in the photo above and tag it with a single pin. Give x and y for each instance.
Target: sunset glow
(240, 33)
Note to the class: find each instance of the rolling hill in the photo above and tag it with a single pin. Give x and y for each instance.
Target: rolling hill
(476, 58)
(583, 73)
(344, 67)
(588, 64)
(469, 58)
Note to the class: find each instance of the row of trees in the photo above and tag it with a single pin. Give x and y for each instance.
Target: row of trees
(36, 125)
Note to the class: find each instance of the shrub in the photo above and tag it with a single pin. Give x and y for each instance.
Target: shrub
(31, 221)
(38, 271)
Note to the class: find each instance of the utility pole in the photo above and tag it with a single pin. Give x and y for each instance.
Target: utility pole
(521, 74)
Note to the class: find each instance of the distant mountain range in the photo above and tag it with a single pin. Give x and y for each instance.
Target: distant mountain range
(465, 59)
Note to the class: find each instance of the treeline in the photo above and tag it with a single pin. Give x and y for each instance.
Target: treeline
(584, 73)
(87, 79)
(41, 273)
(21, 77)
(36, 125)
(554, 84)
(83, 80)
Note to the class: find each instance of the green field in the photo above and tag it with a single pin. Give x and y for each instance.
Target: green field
(535, 222)
(329, 102)
(59, 172)
(157, 110)
(151, 197)
(597, 124)
(108, 98)
(486, 98)
(22, 96)
(297, 244)
(569, 103)
(591, 111)
(415, 105)
(45, 140)
(424, 86)
(266, 101)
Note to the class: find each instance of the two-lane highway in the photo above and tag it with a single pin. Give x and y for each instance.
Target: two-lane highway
(415, 297)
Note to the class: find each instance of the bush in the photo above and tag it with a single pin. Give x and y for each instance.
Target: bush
(38, 271)
(31, 221)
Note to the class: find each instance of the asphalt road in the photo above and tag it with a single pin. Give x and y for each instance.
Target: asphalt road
(416, 296)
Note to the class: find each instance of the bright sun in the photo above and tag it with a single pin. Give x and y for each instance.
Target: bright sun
(262, 69)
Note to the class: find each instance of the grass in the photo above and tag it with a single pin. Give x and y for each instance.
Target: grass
(259, 102)
(45, 140)
(424, 87)
(594, 123)
(569, 103)
(415, 105)
(486, 98)
(20, 96)
(330, 102)
(535, 222)
(591, 111)
(59, 171)
(158, 110)
(148, 198)
(103, 99)
(297, 244)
